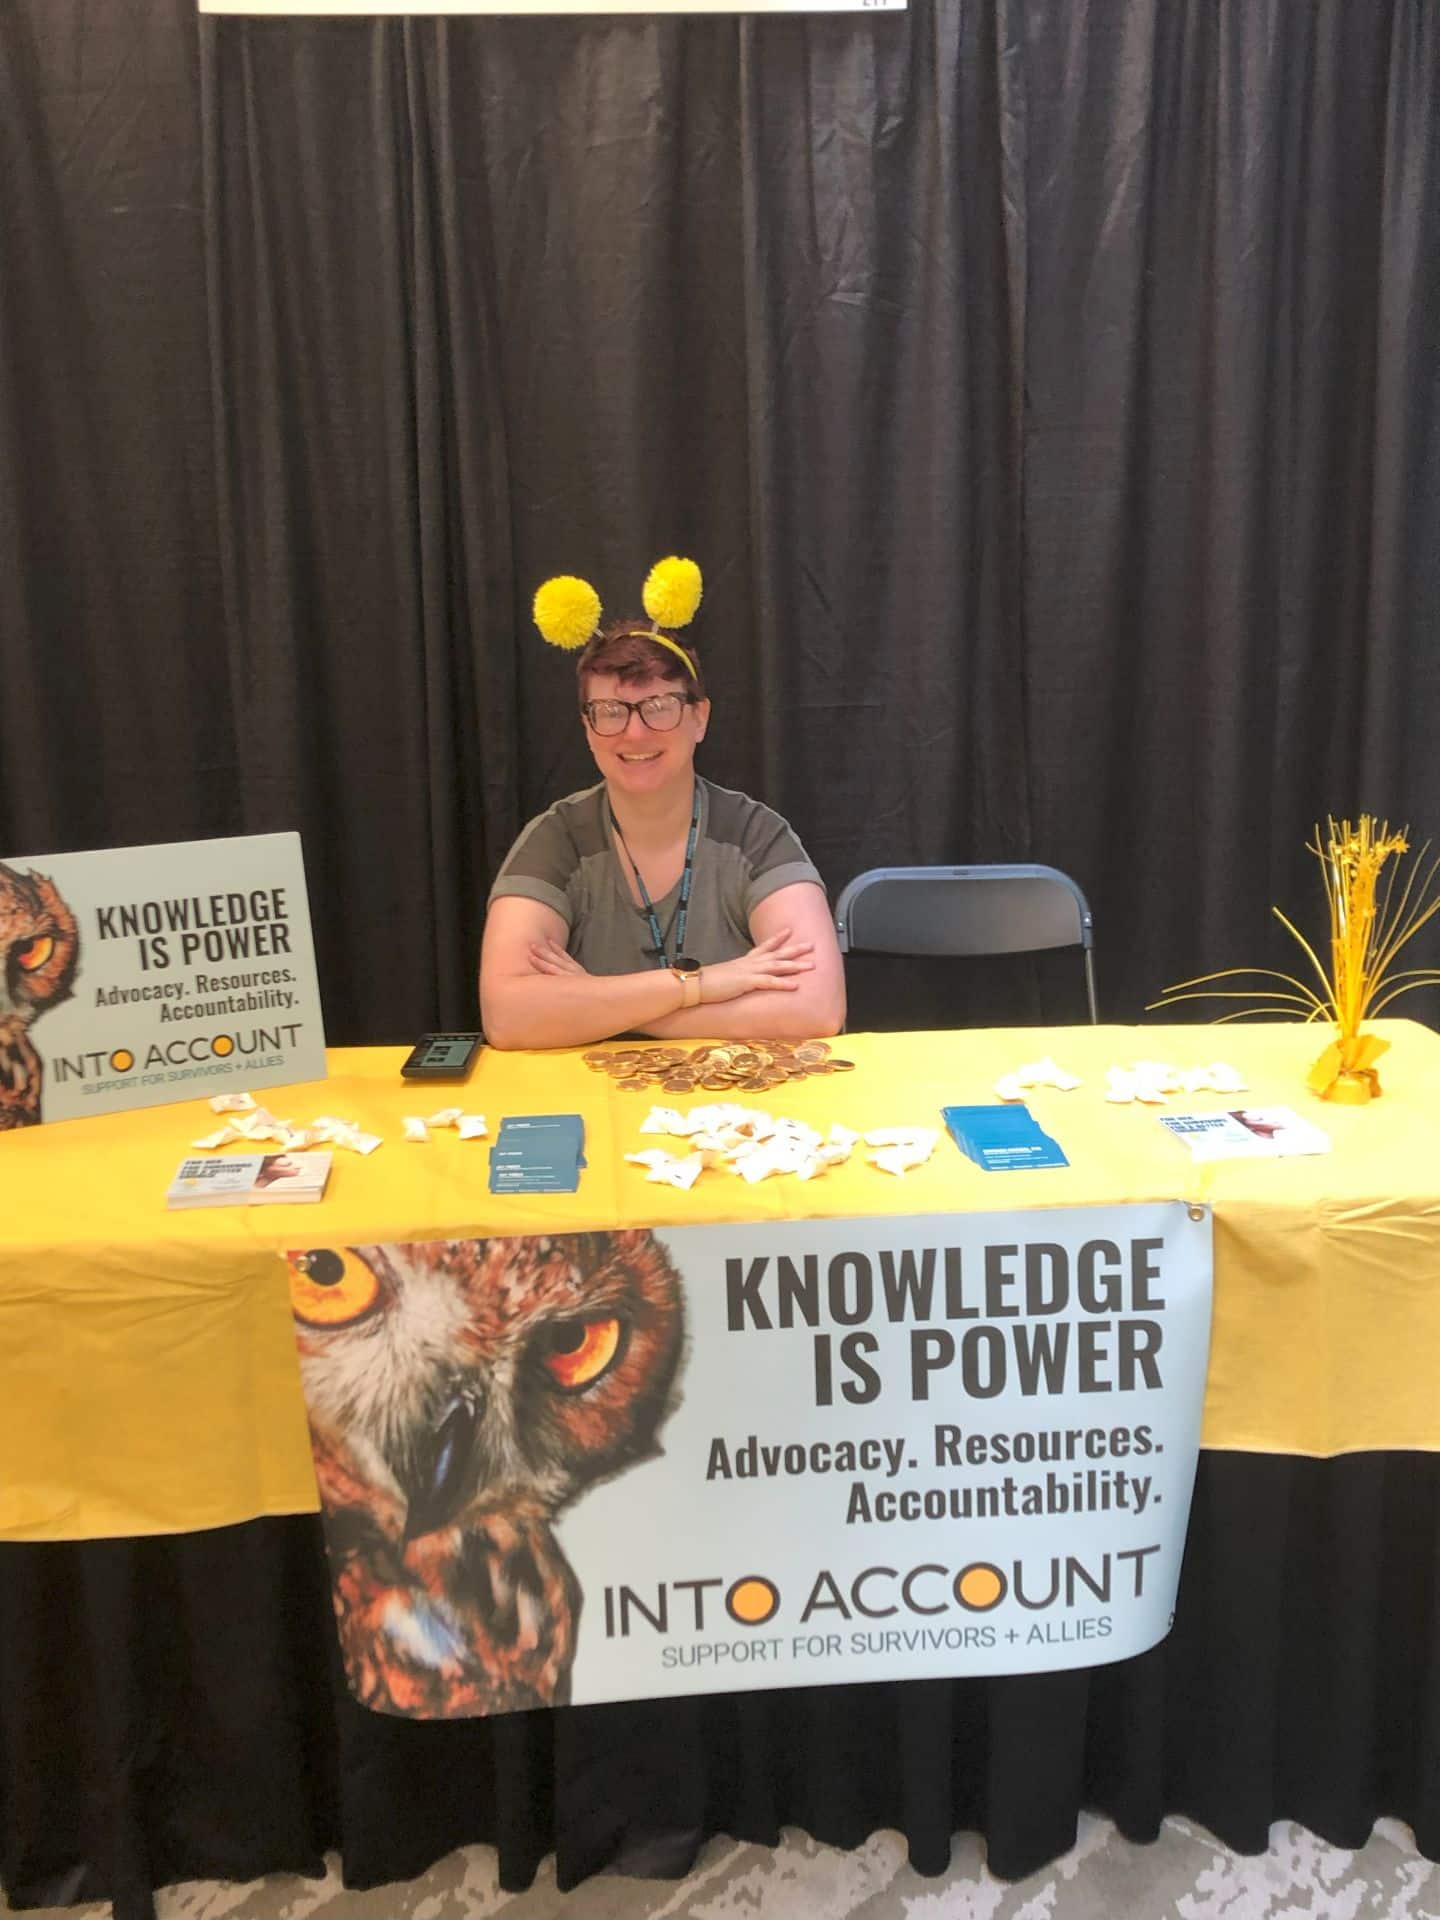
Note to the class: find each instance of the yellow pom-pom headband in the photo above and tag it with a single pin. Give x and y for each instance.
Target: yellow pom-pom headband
(567, 610)
(672, 592)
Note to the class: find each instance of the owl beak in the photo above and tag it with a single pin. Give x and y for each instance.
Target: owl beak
(441, 1476)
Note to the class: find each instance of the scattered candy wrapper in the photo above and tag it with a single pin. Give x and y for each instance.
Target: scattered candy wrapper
(1153, 1081)
(255, 1127)
(668, 1169)
(757, 1145)
(328, 1131)
(232, 1103)
(469, 1126)
(1035, 1073)
(899, 1149)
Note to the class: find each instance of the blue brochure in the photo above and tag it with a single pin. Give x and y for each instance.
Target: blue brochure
(999, 1138)
(538, 1153)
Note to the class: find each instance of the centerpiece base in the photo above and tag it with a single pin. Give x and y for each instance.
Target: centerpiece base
(1345, 1072)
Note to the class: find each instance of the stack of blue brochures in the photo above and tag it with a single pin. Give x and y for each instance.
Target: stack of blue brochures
(538, 1153)
(1001, 1137)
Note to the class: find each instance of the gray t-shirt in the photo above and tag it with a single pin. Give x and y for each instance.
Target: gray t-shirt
(567, 859)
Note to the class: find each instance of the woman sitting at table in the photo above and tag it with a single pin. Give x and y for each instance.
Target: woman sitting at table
(653, 902)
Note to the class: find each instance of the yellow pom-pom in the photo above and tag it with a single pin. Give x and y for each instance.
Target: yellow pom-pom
(672, 592)
(567, 611)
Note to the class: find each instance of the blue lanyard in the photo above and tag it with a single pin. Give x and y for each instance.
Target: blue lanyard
(682, 910)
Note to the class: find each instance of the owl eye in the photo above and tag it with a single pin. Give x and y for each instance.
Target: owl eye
(577, 1352)
(33, 954)
(330, 1288)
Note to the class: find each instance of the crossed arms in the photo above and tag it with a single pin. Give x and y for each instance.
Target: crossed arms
(790, 986)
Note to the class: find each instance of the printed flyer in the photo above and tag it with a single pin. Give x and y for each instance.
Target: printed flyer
(613, 1466)
(139, 975)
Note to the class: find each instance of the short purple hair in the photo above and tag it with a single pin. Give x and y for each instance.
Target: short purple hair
(629, 650)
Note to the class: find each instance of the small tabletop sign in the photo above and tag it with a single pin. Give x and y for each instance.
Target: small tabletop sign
(139, 975)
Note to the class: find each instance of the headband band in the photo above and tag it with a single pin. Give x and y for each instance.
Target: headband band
(567, 609)
(664, 640)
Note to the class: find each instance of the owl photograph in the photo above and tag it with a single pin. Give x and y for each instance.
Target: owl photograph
(461, 1394)
(39, 952)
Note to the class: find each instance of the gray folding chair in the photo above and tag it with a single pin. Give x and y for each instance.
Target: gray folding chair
(966, 910)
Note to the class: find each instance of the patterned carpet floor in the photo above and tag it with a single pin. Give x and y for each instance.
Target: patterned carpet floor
(1186, 1874)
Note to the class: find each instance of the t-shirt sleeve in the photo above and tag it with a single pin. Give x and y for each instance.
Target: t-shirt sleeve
(773, 857)
(540, 866)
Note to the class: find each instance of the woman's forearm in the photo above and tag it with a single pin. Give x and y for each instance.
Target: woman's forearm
(569, 1010)
(768, 1015)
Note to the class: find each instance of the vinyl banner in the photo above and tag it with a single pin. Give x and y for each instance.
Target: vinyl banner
(551, 6)
(144, 974)
(611, 1466)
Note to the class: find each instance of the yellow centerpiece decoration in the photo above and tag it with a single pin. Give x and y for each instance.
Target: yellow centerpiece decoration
(1370, 924)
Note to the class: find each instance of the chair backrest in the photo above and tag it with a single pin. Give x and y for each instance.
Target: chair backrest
(966, 910)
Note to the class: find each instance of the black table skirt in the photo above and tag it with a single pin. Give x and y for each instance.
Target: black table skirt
(170, 1709)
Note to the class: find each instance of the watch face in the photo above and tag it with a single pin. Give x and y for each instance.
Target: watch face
(683, 964)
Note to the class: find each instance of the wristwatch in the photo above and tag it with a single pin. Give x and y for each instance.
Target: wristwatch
(687, 972)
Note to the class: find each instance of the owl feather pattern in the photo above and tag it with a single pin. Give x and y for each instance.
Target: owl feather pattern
(39, 948)
(461, 1394)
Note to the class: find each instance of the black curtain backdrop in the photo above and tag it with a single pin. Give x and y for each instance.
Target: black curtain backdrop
(1050, 390)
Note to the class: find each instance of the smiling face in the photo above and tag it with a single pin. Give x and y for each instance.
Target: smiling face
(641, 760)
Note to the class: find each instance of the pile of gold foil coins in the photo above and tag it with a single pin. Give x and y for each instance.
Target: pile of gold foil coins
(748, 1066)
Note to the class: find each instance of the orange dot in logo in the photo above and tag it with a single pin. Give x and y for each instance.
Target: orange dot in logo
(752, 1600)
(980, 1586)
(122, 1060)
(221, 1045)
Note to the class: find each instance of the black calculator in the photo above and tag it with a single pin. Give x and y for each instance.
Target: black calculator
(442, 1056)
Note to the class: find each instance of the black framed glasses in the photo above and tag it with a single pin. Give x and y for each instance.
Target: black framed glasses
(660, 711)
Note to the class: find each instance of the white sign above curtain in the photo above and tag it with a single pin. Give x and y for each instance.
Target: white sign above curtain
(550, 6)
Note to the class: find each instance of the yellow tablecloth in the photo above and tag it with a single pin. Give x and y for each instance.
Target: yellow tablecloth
(148, 1380)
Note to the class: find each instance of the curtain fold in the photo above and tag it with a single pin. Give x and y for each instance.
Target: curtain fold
(1230, 293)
